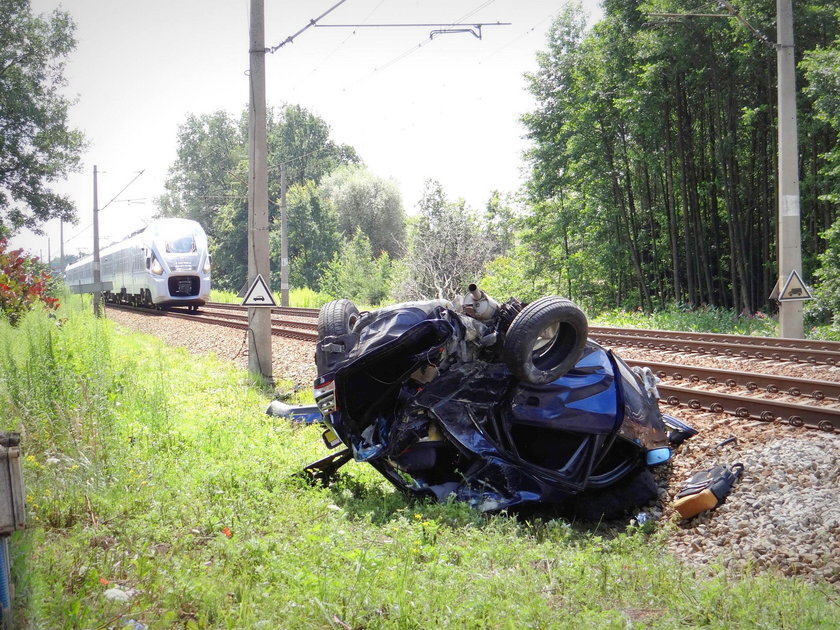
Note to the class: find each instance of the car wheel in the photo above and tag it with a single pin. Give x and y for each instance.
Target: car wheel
(337, 318)
(545, 340)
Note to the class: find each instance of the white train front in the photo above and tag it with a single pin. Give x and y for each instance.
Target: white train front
(166, 264)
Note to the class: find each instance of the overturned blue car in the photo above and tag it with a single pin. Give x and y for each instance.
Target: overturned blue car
(499, 405)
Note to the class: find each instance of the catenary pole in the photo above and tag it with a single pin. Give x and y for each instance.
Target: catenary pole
(61, 239)
(790, 245)
(97, 276)
(259, 319)
(284, 240)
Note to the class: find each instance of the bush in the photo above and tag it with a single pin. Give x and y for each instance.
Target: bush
(825, 309)
(355, 274)
(24, 282)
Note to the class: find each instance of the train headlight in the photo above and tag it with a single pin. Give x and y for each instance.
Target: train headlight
(156, 267)
(207, 264)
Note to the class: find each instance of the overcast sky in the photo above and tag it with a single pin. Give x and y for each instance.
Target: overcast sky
(414, 108)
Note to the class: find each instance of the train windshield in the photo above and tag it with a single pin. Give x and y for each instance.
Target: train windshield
(182, 245)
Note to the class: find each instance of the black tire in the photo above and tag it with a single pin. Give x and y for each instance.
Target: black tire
(545, 340)
(337, 318)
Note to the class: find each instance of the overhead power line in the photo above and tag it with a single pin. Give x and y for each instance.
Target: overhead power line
(340, 44)
(313, 22)
(439, 29)
(123, 190)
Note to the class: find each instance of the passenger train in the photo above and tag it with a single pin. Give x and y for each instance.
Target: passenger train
(166, 264)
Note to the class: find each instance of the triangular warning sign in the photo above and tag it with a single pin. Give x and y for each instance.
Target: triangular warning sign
(258, 294)
(795, 289)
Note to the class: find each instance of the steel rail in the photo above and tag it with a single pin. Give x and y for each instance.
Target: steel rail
(278, 329)
(824, 418)
(241, 314)
(751, 340)
(771, 383)
(279, 310)
(236, 321)
(717, 348)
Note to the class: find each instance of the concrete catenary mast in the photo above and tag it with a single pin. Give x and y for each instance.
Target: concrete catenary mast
(259, 319)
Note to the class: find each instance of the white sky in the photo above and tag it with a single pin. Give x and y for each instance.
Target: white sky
(447, 109)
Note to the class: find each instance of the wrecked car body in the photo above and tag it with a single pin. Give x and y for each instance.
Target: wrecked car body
(496, 405)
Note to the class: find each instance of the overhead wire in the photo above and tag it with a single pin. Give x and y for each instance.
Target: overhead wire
(114, 198)
(339, 45)
(522, 35)
(123, 190)
(312, 22)
(388, 64)
(414, 48)
(466, 16)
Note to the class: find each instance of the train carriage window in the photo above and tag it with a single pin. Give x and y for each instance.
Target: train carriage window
(182, 245)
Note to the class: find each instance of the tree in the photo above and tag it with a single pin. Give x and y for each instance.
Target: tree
(368, 203)
(447, 248)
(827, 304)
(356, 274)
(653, 155)
(313, 236)
(203, 177)
(209, 181)
(500, 223)
(514, 275)
(822, 68)
(37, 147)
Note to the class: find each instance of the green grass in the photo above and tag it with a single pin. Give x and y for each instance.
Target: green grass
(704, 319)
(301, 298)
(158, 472)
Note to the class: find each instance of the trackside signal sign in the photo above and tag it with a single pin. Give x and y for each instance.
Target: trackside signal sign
(258, 294)
(794, 289)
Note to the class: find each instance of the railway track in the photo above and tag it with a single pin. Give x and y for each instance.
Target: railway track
(235, 316)
(795, 350)
(275, 310)
(762, 395)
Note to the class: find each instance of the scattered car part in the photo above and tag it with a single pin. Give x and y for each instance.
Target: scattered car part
(298, 413)
(478, 304)
(678, 431)
(707, 489)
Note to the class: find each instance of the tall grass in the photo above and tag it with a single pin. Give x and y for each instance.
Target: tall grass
(300, 298)
(704, 319)
(159, 474)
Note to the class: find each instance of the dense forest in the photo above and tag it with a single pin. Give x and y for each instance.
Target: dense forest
(653, 175)
(656, 138)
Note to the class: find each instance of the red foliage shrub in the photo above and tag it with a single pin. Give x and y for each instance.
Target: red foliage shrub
(24, 281)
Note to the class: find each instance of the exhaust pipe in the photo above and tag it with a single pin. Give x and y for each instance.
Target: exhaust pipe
(479, 305)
